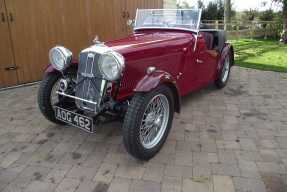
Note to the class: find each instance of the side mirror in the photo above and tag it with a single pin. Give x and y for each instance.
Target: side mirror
(131, 22)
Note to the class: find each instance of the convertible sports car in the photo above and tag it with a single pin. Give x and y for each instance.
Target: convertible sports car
(140, 78)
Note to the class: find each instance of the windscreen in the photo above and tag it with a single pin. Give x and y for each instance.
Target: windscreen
(187, 19)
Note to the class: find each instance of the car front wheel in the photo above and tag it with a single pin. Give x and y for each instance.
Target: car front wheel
(48, 97)
(148, 122)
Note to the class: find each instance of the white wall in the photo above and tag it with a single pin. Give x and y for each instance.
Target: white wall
(169, 4)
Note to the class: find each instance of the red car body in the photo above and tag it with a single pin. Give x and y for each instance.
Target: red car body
(179, 63)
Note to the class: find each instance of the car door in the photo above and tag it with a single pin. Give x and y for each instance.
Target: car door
(205, 62)
(199, 67)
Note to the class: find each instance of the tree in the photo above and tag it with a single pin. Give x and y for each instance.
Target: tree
(267, 15)
(183, 5)
(227, 13)
(284, 14)
(284, 32)
(213, 11)
(200, 4)
(250, 14)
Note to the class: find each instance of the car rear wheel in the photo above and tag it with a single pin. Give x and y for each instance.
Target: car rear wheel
(148, 122)
(48, 97)
(224, 74)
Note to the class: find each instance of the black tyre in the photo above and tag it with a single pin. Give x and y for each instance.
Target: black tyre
(46, 95)
(148, 122)
(225, 73)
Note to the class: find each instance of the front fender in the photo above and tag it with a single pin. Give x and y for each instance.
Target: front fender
(157, 78)
(51, 69)
(151, 81)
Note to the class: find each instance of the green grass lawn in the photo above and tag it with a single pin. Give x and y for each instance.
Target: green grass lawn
(260, 54)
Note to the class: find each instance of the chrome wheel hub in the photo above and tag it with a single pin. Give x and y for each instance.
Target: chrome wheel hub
(154, 121)
(157, 121)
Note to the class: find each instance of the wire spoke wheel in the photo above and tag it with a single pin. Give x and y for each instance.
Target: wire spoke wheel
(54, 97)
(148, 121)
(48, 97)
(225, 70)
(154, 121)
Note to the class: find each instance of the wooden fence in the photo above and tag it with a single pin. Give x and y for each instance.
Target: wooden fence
(247, 29)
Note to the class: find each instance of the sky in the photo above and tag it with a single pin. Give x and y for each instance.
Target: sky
(241, 5)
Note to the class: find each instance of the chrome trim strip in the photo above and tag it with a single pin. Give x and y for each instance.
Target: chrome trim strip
(198, 22)
(176, 28)
(92, 56)
(136, 18)
(74, 97)
(198, 30)
(98, 48)
(103, 84)
(170, 9)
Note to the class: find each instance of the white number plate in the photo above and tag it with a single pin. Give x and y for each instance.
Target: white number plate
(74, 119)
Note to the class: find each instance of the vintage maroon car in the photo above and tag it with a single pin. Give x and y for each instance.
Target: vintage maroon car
(140, 78)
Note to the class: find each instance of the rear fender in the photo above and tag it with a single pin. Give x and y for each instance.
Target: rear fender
(157, 78)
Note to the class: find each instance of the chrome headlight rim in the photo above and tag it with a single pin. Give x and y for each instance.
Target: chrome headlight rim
(66, 55)
(119, 60)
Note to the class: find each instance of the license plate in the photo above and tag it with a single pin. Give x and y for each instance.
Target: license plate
(74, 119)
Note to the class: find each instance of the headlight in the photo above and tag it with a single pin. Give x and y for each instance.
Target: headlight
(60, 57)
(111, 65)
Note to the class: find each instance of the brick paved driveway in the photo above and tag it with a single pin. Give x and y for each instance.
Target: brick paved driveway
(233, 139)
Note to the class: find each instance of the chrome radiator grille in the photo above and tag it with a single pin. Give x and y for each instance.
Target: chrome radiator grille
(90, 85)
